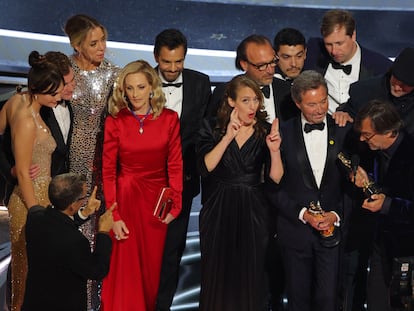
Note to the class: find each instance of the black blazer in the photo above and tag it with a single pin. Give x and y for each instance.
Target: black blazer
(361, 92)
(60, 157)
(298, 186)
(317, 58)
(196, 95)
(60, 261)
(285, 108)
(396, 228)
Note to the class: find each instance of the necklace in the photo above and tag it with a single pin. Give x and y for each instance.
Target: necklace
(141, 120)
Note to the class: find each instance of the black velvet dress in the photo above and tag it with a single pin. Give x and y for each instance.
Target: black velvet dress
(233, 224)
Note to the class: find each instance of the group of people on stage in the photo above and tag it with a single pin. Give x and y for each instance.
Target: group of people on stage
(281, 213)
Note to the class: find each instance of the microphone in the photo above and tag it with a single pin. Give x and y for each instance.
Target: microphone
(354, 164)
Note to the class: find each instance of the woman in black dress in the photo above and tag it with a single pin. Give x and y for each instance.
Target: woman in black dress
(233, 153)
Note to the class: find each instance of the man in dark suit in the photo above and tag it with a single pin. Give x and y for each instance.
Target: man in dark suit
(60, 260)
(187, 92)
(59, 121)
(340, 59)
(309, 149)
(380, 127)
(396, 87)
(256, 57)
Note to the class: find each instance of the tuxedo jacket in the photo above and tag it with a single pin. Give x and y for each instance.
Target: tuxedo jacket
(60, 261)
(372, 63)
(196, 95)
(298, 187)
(396, 223)
(60, 157)
(285, 108)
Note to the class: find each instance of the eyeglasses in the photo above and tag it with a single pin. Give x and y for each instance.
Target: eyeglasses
(368, 136)
(263, 67)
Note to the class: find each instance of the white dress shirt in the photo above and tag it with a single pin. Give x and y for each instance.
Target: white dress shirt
(339, 82)
(173, 94)
(269, 105)
(62, 116)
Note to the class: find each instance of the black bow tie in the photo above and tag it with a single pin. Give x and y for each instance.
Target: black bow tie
(266, 91)
(310, 127)
(345, 68)
(172, 84)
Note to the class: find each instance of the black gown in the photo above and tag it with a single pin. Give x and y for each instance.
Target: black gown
(233, 224)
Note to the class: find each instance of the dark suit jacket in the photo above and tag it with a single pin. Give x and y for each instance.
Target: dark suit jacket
(396, 225)
(60, 157)
(298, 186)
(361, 92)
(60, 261)
(372, 63)
(196, 95)
(285, 108)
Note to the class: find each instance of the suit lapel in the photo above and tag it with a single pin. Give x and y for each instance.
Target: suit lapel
(302, 157)
(332, 151)
(187, 93)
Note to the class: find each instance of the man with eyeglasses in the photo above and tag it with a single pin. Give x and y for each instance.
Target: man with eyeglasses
(256, 57)
(60, 260)
(392, 211)
(397, 87)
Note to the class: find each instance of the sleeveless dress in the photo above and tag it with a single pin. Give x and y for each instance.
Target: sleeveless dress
(43, 147)
(89, 104)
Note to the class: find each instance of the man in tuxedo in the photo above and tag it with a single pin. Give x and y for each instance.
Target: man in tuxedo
(309, 149)
(340, 59)
(60, 260)
(290, 47)
(380, 127)
(187, 92)
(59, 121)
(256, 57)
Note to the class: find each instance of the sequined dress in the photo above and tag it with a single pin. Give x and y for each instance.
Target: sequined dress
(89, 108)
(43, 147)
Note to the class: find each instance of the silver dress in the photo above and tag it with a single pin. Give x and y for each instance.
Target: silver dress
(89, 103)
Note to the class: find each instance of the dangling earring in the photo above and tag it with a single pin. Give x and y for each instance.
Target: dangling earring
(151, 95)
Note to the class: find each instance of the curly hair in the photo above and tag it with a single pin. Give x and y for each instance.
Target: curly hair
(119, 100)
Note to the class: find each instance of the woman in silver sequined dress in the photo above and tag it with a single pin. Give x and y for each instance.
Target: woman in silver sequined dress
(32, 143)
(94, 76)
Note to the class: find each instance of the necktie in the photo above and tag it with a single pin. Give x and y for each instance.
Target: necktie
(345, 68)
(310, 127)
(172, 84)
(266, 91)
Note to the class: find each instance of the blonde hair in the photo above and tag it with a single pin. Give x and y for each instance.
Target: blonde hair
(78, 26)
(119, 100)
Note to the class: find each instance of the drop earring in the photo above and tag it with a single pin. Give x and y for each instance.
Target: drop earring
(151, 95)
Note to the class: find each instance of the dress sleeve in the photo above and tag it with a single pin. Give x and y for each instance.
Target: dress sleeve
(205, 143)
(109, 163)
(175, 165)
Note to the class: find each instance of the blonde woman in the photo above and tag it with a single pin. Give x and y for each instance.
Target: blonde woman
(141, 154)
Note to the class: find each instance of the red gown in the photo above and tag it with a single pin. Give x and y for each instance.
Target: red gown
(135, 167)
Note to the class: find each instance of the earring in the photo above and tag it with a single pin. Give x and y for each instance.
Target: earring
(151, 95)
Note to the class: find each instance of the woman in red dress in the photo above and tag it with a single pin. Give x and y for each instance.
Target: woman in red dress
(141, 154)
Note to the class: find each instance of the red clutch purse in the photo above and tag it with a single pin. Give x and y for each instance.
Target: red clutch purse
(164, 203)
